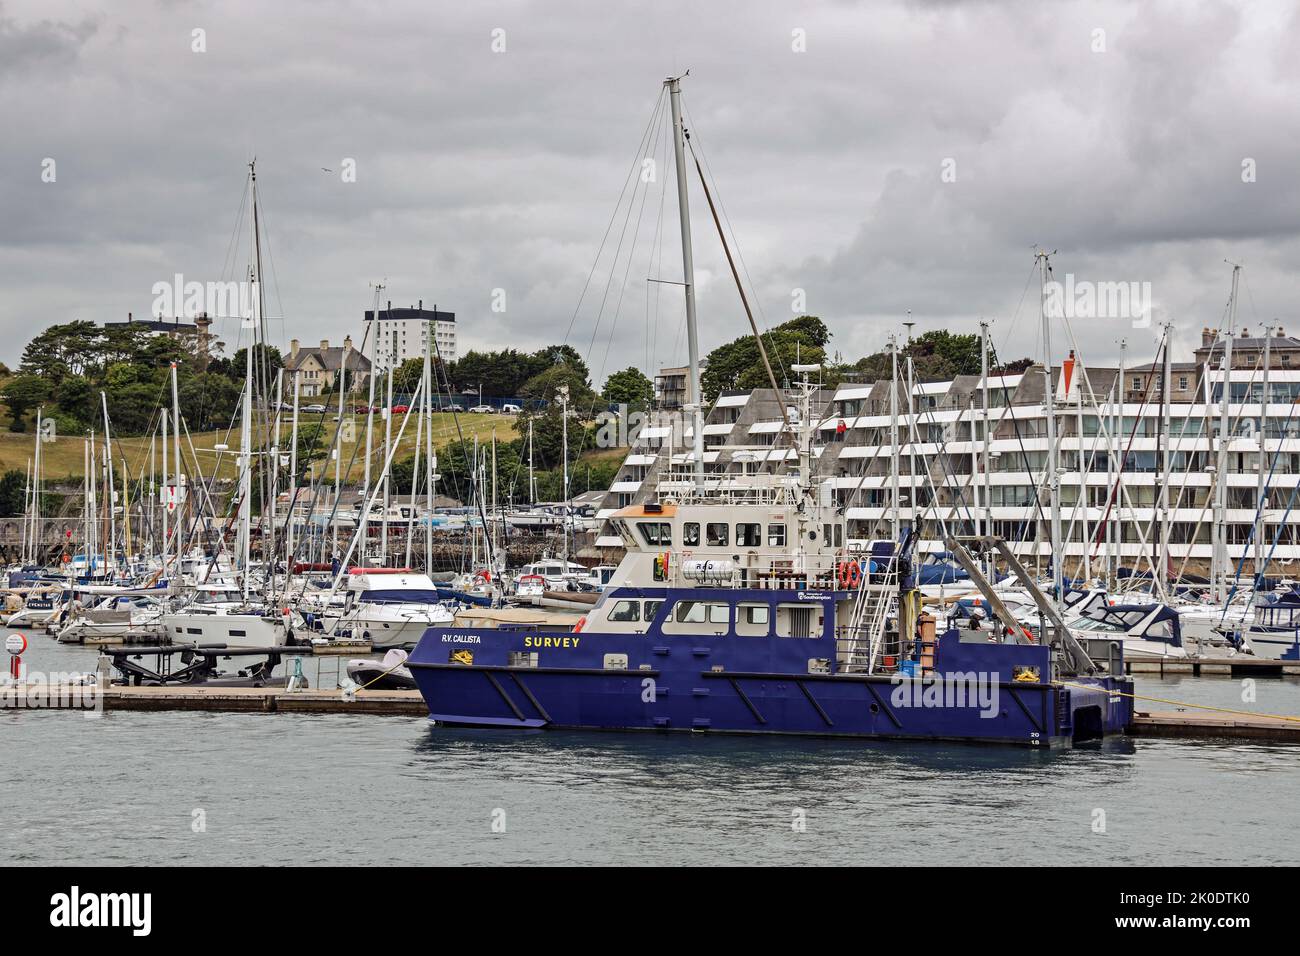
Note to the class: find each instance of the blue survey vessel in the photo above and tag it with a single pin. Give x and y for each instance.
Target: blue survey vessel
(741, 607)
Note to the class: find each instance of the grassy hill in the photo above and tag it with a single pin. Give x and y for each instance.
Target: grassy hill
(64, 456)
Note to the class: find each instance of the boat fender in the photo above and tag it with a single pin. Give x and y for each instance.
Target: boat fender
(582, 622)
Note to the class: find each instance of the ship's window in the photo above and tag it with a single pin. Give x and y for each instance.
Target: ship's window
(776, 536)
(651, 609)
(625, 611)
(656, 533)
(752, 620)
(698, 617)
(690, 612)
(717, 536)
(794, 620)
(749, 535)
(691, 534)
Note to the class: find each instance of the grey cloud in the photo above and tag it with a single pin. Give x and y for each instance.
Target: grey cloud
(479, 171)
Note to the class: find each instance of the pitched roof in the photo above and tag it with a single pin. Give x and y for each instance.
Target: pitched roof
(329, 359)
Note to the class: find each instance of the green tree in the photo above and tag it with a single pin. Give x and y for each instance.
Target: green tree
(13, 493)
(23, 393)
(630, 387)
(738, 365)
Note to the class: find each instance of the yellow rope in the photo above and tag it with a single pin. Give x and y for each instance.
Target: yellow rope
(1183, 703)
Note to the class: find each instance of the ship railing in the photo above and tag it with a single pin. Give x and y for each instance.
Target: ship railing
(680, 484)
(854, 647)
(780, 570)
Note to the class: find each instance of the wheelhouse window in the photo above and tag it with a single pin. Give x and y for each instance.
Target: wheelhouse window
(625, 611)
(753, 620)
(656, 533)
(691, 534)
(651, 609)
(717, 534)
(749, 535)
(699, 617)
(776, 536)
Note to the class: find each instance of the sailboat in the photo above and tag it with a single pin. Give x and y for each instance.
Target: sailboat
(241, 620)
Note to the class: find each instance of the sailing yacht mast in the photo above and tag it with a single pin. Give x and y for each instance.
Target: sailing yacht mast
(246, 418)
(108, 460)
(1219, 560)
(897, 531)
(694, 396)
(431, 460)
(1262, 490)
(1056, 546)
(988, 437)
(370, 414)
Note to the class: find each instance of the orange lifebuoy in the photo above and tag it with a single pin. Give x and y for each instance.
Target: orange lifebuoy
(582, 622)
(850, 575)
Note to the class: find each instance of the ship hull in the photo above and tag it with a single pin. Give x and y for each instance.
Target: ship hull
(470, 677)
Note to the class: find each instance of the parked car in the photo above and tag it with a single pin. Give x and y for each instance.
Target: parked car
(510, 409)
(315, 409)
(483, 410)
(401, 409)
(367, 409)
(453, 407)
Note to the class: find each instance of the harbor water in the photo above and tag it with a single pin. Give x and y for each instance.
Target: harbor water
(246, 789)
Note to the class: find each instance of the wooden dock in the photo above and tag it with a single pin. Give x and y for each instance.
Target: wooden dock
(1204, 724)
(1241, 666)
(258, 700)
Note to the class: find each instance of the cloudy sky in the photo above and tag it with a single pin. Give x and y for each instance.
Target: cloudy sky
(880, 157)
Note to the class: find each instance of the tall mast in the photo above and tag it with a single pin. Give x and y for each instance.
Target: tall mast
(388, 441)
(29, 501)
(1120, 445)
(988, 436)
(176, 439)
(1219, 563)
(532, 481)
(293, 479)
(246, 418)
(564, 455)
(694, 396)
(162, 484)
(1056, 546)
(426, 380)
(108, 485)
(1261, 500)
(1166, 465)
(370, 406)
(897, 531)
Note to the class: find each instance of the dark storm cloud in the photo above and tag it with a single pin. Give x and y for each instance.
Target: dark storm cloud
(479, 171)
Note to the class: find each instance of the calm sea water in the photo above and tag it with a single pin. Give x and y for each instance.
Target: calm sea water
(127, 788)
